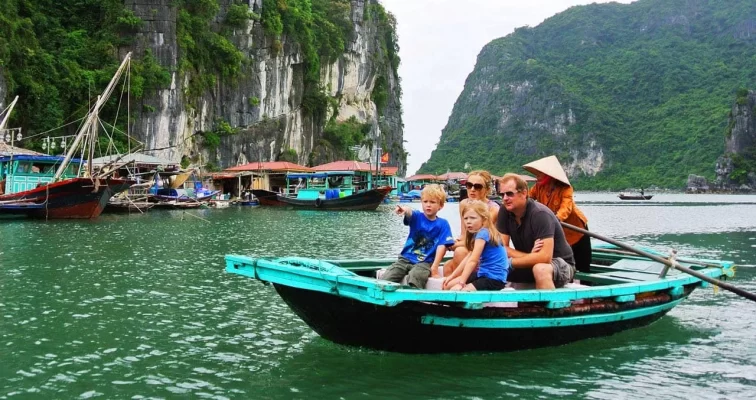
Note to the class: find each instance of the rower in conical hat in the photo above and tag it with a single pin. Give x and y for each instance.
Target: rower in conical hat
(554, 190)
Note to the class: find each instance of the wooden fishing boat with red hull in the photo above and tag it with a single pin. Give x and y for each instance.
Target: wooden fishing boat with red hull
(50, 186)
(68, 199)
(367, 200)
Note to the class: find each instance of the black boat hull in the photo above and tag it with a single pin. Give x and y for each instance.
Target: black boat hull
(631, 197)
(368, 200)
(400, 328)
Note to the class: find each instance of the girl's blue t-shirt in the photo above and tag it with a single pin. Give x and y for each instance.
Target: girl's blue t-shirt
(494, 263)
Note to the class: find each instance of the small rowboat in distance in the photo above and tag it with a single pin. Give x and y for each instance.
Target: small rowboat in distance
(343, 302)
(623, 196)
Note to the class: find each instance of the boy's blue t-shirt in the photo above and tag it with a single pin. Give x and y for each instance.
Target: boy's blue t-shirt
(424, 237)
(494, 263)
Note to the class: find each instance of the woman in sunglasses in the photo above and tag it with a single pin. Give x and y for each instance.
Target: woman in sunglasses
(553, 190)
(478, 188)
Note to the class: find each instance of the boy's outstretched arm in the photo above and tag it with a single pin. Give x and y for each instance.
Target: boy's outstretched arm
(407, 211)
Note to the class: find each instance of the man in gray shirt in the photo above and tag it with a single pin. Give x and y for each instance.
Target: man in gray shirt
(541, 254)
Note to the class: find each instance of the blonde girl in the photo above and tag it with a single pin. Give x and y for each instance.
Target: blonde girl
(486, 253)
(478, 188)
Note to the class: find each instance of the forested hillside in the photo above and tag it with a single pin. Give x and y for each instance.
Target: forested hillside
(625, 95)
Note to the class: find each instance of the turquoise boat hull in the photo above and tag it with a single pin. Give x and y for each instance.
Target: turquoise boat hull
(344, 303)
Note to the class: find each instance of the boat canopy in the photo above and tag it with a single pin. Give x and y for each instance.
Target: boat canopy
(37, 158)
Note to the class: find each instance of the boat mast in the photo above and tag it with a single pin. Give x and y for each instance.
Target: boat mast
(7, 115)
(91, 118)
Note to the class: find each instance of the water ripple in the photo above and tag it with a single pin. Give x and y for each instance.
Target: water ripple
(139, 306)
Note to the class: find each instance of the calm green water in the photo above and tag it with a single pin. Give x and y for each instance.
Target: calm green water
(139, 307)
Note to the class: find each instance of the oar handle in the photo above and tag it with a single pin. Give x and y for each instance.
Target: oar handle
(705, 278)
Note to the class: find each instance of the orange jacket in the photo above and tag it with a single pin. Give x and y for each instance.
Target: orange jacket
(558, 198)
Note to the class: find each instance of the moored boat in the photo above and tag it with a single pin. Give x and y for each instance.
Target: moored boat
(366, 200)
(344, 302)
(43, 186)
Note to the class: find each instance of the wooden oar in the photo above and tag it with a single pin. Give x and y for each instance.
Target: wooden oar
(685, 260)
(717, 282)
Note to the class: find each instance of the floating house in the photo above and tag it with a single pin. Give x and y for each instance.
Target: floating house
(415, 182)
(264, 175)
(136, 166)
(363, 175)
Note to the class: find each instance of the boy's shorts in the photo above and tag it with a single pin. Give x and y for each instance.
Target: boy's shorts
(417, 274)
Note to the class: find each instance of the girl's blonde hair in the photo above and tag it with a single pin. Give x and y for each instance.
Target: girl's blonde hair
(481, 208)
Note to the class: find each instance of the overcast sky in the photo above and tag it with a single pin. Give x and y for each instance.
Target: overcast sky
(439, 41)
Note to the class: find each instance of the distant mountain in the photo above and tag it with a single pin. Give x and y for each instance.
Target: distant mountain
(626, 95)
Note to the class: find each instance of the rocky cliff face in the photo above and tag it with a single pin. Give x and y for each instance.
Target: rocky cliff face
(736, 169)
(609, 90)
(264, 103)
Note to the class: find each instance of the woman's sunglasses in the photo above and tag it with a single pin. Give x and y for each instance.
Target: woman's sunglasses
(477, 186)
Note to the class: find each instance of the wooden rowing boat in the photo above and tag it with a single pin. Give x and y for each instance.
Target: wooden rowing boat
(343, 302)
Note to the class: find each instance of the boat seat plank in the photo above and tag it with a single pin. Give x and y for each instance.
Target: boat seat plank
(628, 276)
(646, 266)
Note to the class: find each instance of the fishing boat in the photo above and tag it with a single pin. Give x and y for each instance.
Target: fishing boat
(623, 196)
(31, 191)
(344, 302)
(367, 200)
(42, 186)
(332, 191)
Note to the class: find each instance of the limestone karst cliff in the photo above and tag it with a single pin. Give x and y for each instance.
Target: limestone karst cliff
(626, 95)
(232, 81)
(736, 168)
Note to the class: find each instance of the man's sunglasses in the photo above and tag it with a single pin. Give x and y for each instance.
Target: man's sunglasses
(509, 194)
(477, 186)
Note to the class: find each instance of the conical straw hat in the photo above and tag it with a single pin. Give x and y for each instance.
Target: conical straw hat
(549, 166)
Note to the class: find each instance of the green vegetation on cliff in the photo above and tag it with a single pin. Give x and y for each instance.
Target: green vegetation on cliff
(56, 54)
(642, 91)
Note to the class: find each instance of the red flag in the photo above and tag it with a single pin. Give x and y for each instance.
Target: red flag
(385, 158)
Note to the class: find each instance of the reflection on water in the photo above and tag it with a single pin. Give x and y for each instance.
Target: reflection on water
(139, 305)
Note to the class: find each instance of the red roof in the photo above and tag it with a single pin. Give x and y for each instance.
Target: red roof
(389, 171)
(344, 166)
(355, 166)
(277, 166)
(452, 175)
(422, 177)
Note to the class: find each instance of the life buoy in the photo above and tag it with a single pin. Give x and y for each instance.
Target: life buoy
(318, 202)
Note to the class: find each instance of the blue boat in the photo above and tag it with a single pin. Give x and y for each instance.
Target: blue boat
(343, 302)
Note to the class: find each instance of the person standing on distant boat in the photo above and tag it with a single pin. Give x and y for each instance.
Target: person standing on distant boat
(478, 186)
(487, 266)
(540, 254)
(553, 190)
(429, 237)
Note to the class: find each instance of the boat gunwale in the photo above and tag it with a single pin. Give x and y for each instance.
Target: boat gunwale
(346, 283)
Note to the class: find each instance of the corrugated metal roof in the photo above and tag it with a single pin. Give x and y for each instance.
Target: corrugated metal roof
(6, 150)
(137, 158)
